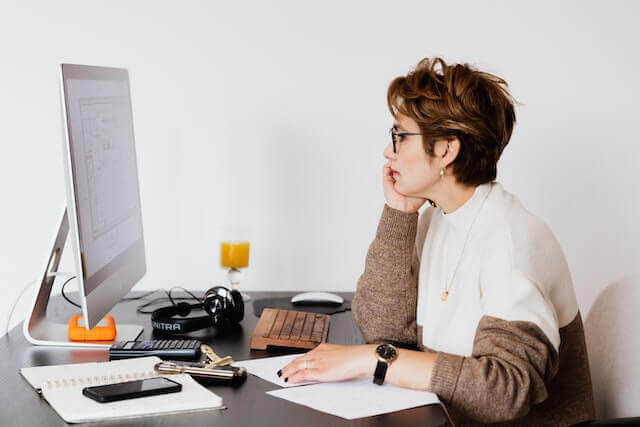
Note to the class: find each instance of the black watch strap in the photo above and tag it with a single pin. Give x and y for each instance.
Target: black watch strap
(380, 373)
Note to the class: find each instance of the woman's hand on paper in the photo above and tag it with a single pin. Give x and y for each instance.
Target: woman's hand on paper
(330, 362)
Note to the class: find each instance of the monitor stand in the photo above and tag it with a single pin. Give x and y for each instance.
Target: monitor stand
(39, 329)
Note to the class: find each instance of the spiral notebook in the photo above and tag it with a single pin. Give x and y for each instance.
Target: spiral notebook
(62, 385)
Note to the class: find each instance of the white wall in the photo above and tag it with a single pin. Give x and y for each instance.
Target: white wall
(273, 115)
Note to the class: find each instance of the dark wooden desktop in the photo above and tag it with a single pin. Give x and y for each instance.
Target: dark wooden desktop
(248, 405)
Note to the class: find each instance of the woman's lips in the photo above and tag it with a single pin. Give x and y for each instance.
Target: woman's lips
(393, 171)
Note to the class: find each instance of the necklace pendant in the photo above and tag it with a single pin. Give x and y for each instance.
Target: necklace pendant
(444, 296)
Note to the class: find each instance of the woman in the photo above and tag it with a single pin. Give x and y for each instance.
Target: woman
(476, 282)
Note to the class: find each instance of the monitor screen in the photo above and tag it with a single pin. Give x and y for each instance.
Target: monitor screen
(103, 191)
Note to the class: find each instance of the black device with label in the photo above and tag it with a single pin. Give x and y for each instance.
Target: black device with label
(131, 389)
(165, 349)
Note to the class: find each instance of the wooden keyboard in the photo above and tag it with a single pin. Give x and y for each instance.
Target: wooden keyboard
(289, 329)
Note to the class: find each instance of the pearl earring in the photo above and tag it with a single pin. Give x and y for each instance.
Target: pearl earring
(441, 173)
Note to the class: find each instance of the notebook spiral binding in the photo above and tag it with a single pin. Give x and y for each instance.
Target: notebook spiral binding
(99, 380)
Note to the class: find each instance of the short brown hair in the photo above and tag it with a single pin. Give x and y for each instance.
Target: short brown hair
(458, 101)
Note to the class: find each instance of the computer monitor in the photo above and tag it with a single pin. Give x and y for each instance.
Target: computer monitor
(103, 214)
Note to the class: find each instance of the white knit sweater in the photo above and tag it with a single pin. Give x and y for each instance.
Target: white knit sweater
(512, 268)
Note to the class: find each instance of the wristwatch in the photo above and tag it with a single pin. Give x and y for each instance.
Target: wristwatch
(386, 354)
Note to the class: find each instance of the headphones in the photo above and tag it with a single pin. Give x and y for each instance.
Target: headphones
(224, 309)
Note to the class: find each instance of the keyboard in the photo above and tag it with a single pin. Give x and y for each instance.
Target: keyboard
(289, 329)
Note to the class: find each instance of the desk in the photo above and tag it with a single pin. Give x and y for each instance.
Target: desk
(247, 405)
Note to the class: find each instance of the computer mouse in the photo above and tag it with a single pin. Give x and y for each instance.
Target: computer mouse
(317, 298)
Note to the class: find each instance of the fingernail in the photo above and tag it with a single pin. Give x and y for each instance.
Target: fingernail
(279, 373)
(286, 379)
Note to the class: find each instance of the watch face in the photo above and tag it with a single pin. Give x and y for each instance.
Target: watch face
(386, 352)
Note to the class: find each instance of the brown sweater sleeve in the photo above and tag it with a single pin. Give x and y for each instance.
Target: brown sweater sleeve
(505, 375)
(384, 306)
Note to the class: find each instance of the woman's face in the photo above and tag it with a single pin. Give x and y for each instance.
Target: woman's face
(414, 171)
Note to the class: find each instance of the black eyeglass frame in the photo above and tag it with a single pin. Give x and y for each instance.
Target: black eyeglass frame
(395, 134)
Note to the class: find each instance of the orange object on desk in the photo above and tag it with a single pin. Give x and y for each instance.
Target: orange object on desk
(97, 333)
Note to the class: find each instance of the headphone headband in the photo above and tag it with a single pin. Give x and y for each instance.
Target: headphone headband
(162, 319)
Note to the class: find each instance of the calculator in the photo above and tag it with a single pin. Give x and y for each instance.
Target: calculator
(165, 349)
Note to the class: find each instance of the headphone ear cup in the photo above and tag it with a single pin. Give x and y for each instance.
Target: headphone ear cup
(237, 313)
(208, 302)
(225, 306)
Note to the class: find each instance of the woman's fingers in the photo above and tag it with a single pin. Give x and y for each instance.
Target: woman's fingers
(303, 375)
(307, 361)
(294, 366)
(306, 369)
(327, 362)
(387, 177)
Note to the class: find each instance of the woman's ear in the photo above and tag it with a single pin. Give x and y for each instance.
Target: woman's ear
(447, 150)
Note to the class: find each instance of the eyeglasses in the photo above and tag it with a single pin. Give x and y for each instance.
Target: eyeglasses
(395, 134)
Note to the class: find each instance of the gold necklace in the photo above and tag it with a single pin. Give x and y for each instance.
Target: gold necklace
(445, 293)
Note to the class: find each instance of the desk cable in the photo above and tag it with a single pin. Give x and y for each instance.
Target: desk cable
(24, 289)
(15, 303)
(141, 308)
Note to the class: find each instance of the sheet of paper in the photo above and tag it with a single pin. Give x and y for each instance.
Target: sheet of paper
(268, 367)
(357, 398)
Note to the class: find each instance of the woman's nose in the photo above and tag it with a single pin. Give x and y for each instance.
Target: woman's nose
(388, 152)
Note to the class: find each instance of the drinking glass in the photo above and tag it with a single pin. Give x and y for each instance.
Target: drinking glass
(234, 255)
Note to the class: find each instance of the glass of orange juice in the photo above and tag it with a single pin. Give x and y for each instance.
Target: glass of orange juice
(234, 255)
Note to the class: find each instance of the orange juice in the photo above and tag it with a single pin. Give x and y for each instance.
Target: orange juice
(234, 254)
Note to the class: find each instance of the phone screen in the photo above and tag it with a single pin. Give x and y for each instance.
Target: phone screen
(132, 389)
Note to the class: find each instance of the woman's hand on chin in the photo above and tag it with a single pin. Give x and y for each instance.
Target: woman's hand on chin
(329, 362)
(397, 200)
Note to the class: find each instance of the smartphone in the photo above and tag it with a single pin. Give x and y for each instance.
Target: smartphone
(131, 389)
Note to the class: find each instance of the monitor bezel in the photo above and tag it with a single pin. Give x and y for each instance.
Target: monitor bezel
(106, 287)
